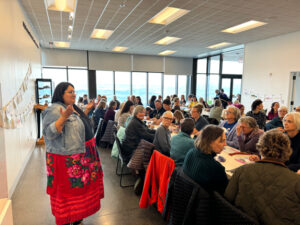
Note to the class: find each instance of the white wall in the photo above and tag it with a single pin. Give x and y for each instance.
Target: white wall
(17, 52)
(267, 67)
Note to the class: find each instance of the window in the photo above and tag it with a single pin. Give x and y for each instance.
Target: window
(233, 62)
(122, 85)
(169, 85)
(79, 79)
(57, 75)
(105, 84)
(201, 86)
(237, 84)
(182, 83)
(226, 85)
(154, 84)
(139, 86)
(213, 84)
(215, 64)
(201, 65)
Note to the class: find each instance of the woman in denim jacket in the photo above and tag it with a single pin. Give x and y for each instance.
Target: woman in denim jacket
(74, 172)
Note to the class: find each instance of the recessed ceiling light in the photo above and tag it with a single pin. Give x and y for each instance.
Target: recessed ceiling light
(167, 40)
(244, 26)
(61, 44)
(61, 5)
(168, 15)
(69, 37)
(101, 33)
(220, 45)
(120, 49)
(70, 28)
(167, 52)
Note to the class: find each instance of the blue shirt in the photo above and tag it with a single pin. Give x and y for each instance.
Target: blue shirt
(228, 126)
(72, 138)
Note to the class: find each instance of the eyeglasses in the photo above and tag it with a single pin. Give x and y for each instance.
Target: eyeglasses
(167, 118)
(282, 111)
(71, 92)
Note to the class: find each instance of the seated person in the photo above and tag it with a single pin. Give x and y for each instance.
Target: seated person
(178, 117)
(148, 111)
(291, 123)
(193, 102)
(257, 114)
(126, 111)
(176, 102)
(200, 121)
(158, 111)
(118, 111)
(110, 112)
(248, 134)
(167, 105)
(182, 142)
(274, 111)
(185, 114)
(216, 111)
(266, 190)
(162, 137)
(135, 131)
(182, 100)
(199, 163)
(204, 103)
(277, 121)
(99, 113)
(229, 124)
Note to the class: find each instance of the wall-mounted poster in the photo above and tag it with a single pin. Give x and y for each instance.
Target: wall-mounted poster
(43, 91)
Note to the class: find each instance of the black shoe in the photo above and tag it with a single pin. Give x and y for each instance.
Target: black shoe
(78, 222)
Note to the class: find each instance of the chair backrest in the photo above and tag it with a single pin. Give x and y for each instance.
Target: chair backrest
(227, 214)
(108, 132)
(119, 146)
(99, 132)
(212, 121)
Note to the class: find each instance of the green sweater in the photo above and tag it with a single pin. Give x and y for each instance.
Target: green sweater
(205, 170)
(180, 145)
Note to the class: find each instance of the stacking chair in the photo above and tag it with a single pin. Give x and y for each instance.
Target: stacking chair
(227, 214)
(108, 137)
(121, 163)
(100, 131)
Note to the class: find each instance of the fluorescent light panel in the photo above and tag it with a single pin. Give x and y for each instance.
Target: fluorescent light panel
(101, 33)
(168, 15)
(167, 40)
(61, 5)
(120, 49)
(220, 45)
(244, 26)
(167, 52)
(61, 44)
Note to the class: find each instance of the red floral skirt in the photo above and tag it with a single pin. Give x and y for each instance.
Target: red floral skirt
(75, 184)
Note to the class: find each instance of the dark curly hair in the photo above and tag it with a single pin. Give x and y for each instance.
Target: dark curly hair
(275, 145)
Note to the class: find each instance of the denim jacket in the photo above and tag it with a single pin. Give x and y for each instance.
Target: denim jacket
(72, 138)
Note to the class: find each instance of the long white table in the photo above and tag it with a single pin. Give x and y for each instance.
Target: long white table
(234, 161)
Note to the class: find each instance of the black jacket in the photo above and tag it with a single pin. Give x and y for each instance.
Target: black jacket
(135, 131)
(157, 113)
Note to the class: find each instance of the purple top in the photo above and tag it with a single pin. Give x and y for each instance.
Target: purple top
(248, 142)
(272, 115)
(109, 115)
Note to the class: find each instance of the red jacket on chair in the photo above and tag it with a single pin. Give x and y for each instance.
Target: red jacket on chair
(157, 178)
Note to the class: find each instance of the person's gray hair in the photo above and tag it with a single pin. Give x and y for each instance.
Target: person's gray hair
(138, 109)
(275, 145)
(236, 112)
(168, 112)
(284, 108)
(250, 121)
(296, 117)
